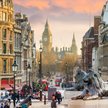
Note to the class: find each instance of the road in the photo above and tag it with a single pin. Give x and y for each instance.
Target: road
(68, 103)
(103, 103)
(88, 103)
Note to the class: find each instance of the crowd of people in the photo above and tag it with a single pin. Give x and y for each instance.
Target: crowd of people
(5, 104)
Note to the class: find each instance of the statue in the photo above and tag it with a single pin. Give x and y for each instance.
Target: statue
(79, 79)
(93, 85)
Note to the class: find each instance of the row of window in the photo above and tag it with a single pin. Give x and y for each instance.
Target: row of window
(5, 32)
(5, 61)
(5, 48)
(5, 65)
(5, 3)
(5, 16)
(17, 40)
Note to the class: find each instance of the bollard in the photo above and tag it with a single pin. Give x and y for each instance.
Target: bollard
(44, 99)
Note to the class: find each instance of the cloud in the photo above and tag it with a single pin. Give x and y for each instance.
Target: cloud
(78, 6)
(40, 4)
(81, 6)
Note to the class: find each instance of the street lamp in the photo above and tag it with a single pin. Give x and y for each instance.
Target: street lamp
(29, 69)
(66, 72)
(40, 72)
(14, 69)
(26, 74)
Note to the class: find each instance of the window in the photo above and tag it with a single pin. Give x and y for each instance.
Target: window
(4, 33)
(25, 65)
(4, 48)
(10, 35)
(4, 16)
(1, 3)
(0, 16)
(4, 66)
(25, 54)
(11, 49)
(11, 63)
(4, 2)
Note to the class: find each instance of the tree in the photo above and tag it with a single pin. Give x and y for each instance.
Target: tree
(49, 59)
(48, 62)
(68, 64)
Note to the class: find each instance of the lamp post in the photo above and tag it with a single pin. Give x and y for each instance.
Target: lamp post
(66, 72)
(40, 73)
(26, 74)
(29, 69)
(14, 69)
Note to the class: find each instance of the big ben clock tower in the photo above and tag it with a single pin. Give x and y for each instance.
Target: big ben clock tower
(47, 39)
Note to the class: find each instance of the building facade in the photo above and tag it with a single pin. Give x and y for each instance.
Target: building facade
(6, 42)
(103, 43)
(87, 45)
(24, 48)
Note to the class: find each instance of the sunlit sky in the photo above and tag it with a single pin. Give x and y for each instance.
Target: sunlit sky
(65, 18)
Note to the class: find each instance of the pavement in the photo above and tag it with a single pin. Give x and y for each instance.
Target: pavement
(102, 103)
(47, 105)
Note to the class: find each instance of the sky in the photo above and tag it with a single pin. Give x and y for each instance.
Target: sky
(65, 17)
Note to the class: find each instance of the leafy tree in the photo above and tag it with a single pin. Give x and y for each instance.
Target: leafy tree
(49, 63)
(68, 64)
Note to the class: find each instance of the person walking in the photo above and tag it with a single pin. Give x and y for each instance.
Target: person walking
(18, 97)
(1, 105)
(6, 105)
(53, 103)
(58, 97)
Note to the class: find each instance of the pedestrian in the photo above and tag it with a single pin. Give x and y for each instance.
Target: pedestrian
(6, 105)
(53, 103)
(2, 105)
(58, 97)
(13, 97)
(18, 97)
(24, 105)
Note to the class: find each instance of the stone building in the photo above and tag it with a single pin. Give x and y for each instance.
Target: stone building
(90, 45)
(87, 45)
(6, 43)
(24, 48)
(47, 39)
(103, 43)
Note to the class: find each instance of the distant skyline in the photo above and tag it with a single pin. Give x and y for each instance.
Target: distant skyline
(65, 17)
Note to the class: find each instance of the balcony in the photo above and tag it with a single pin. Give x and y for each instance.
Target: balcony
(6, 75)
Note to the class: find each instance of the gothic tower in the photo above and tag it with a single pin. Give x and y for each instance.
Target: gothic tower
(74, 46)
(47, 39)
(6, 41)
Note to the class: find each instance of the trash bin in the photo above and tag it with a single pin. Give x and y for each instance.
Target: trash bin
(51, 91)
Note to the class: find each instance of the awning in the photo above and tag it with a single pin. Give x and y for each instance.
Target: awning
(6, 86)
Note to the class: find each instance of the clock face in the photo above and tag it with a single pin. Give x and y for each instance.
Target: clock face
(45, 39)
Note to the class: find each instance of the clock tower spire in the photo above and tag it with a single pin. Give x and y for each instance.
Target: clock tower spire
(74, 46)
(47, 38)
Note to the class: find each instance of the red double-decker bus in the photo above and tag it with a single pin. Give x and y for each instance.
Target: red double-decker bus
(57, 82)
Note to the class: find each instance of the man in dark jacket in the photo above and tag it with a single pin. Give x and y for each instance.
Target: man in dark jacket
(58, 97)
